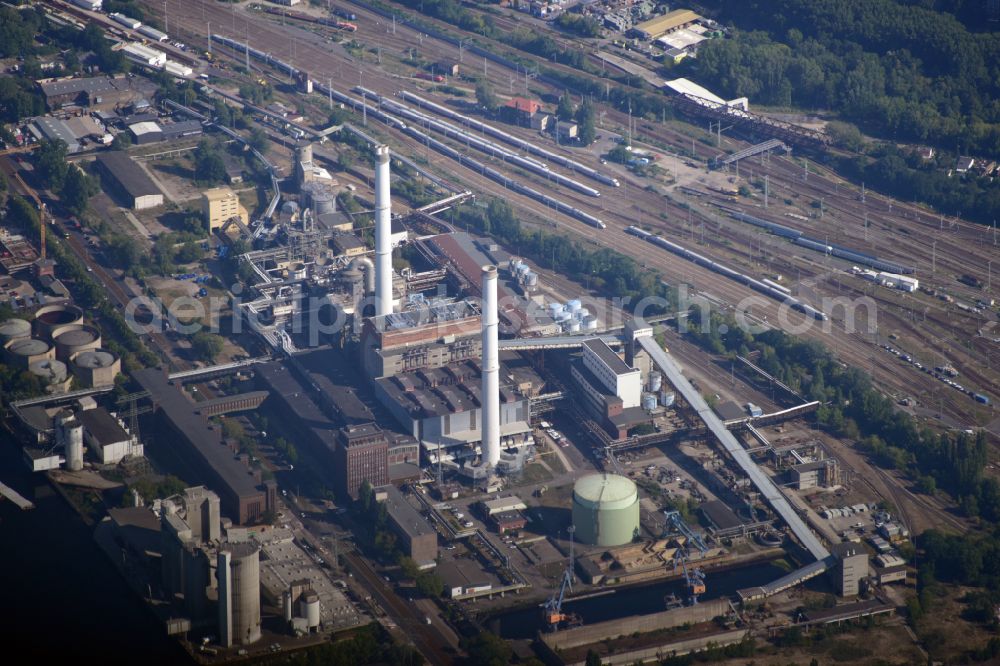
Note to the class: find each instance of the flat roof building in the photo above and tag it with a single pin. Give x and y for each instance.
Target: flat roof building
(199, 444)
(720, 516)
(502, 504)
(48, 128)
(130, 181)
(106, 437)
(96, 92)
(656, 27)
(419, 538)
(219, 205)
(852, 566)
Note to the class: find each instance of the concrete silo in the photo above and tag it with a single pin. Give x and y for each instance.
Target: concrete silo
(605, 510)
(94, 368)
(73, 339)
(51, 317)
(14, 329)
(22, 353)
(238, 573)
(309, 608)
(51, 373)
(69, 434)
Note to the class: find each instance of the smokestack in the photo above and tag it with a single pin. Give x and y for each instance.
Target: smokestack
(383, 232)
(491, 369)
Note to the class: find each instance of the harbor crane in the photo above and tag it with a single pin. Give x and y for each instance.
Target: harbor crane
(694, 577)
(695, 580)
(552, 610)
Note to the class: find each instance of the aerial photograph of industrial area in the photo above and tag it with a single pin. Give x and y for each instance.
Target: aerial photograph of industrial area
(488, 332)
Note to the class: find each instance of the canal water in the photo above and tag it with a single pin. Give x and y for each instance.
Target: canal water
(63, 600)
(637, 600)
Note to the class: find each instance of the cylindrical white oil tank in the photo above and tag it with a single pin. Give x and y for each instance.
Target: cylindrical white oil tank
(649, 401)
(521, 269)
(572, 326)
(555, 309)
(605, 510)
(655, 381)
(574, 305)
(22, 353)
(14, 329)
(531, 279)
(590, 323)
(51, 317)
(309, 608)
(581, 314)
(564, 315)
(72, 341)
(667, 398)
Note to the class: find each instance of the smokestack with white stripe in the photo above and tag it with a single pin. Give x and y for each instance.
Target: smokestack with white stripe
(383, 234)
(491, 369)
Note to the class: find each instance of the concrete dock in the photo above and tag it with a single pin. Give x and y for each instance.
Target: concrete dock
(15, 497)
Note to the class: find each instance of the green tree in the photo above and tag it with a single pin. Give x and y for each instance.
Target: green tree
(207, 345)
(121, 141)
(258, 140)
(51, 165)
(366, 495)
(208, 164)
(488, 649)
(585, 117)
(566, 108)
(430, 584)
(485, 97)
(123, 252)
(593, 659)
(77, 190)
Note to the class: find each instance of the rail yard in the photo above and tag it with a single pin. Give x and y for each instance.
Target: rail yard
(939, 248)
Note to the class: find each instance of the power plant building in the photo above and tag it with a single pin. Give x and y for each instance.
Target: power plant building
(611, 389)
(605, 510)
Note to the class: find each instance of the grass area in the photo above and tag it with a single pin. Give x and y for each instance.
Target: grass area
(535, 473)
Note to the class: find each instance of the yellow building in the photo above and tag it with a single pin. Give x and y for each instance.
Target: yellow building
(219, 205)
(656, 27)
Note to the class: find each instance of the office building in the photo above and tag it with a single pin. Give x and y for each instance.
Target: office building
(362, 455)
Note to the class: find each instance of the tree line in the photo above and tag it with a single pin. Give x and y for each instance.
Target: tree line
(900, 70)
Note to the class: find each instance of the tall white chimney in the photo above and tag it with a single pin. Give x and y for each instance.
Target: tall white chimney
(383, 234)
(491, 369)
